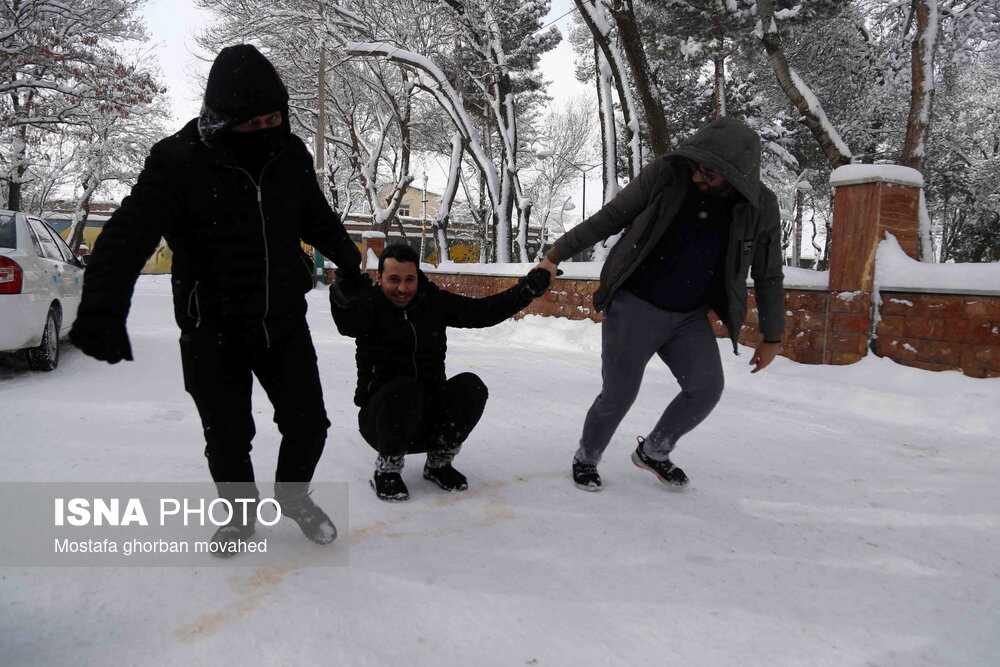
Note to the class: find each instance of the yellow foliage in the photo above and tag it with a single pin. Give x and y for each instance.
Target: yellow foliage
(464, 253)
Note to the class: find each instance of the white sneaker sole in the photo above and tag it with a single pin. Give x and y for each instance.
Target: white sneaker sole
(673, 486)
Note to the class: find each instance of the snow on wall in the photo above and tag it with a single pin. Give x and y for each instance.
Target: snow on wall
(853, 174)
(897, 271)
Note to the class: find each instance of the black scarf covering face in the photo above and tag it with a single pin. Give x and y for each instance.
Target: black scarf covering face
(253, 150)
(242, 84)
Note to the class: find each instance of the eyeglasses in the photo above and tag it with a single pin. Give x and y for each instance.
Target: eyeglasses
(706, 173)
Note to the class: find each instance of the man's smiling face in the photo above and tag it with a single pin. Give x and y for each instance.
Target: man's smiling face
(398, 281)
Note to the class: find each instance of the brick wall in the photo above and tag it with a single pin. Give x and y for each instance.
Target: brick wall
(929, 331)
(572, 299)
(821, 327)
(940, 332)
(834, 324)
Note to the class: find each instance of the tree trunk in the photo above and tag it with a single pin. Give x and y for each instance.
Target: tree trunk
(921, 84)
(588, 10)
(797, 230)
(609, 134)
(719, 61)
(631, 41)
(82, 212)
(439, 226)
(17, 169)
(812, 112)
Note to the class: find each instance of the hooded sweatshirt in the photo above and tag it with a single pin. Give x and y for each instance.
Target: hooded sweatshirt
(650, 203)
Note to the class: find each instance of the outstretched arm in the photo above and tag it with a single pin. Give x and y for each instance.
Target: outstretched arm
(471, 313)
(611, 219)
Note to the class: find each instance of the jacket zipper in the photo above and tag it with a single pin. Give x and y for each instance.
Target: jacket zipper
(413, 355)
(267, 256)
(194, 295)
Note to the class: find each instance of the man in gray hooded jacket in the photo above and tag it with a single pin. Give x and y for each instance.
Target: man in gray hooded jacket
(695, 222)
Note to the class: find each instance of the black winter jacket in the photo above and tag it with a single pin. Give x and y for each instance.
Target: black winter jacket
(412, 342)
(235, 236)
(647, 205)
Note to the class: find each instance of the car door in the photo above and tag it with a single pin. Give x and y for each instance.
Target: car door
(72, 280)
(39, 271)
(60, 277)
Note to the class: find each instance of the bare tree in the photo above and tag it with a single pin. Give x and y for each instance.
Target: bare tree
(568, 133)
(56, 57)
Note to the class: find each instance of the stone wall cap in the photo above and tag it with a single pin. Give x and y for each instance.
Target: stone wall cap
(856, 174)
(944, 291)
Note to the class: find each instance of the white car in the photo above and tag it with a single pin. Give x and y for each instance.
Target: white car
(40, 286)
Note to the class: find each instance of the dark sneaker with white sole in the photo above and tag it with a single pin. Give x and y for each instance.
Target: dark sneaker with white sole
(586, 476)
(446, 477)
(389, 487)
(665, 471)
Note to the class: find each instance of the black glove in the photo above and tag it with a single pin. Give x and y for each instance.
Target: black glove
(102, 337)
(348, 286)
(534, 283)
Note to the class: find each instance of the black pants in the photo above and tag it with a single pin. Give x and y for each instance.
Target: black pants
(404, 418)
(218, 373)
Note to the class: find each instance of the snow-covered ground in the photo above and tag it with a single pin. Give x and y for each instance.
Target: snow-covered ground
(837, 516)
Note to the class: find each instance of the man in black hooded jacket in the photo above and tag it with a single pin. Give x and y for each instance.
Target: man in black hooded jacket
(408, 404)
(233, 193)
(694, 223)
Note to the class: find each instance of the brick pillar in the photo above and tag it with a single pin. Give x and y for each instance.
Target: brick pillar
(870, 201)
(375, 241)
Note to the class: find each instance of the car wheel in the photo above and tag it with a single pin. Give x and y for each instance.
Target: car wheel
(45, 357)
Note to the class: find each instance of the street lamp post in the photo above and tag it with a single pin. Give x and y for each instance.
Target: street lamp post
(567, 206)
(582, 168)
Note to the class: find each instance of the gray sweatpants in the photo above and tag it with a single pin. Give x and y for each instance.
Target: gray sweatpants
(632, 332)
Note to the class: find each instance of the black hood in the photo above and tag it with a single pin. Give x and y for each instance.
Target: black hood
(731, 148)
(242, 84)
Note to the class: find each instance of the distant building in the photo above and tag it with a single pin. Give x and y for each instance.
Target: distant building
(416, 213)
(60, 218)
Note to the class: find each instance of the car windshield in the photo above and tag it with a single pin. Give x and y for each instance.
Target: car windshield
(8, 231)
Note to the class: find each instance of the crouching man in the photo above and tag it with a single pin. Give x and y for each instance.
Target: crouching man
(408, 404)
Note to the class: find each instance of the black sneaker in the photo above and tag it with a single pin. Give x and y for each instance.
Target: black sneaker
(446, 477)
(586, 476)
(313, 521)
(665, 471)
(227, 538)
(389, 486)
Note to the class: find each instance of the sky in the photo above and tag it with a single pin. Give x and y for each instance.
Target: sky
(837, 515)
(173, 23)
